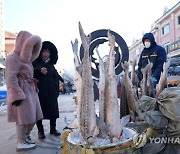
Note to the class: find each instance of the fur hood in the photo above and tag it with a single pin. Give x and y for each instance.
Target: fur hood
(53, 52)
(27, 46)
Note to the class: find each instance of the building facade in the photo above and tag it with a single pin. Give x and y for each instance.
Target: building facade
(166, 31)
(2, 43)
(9, 41)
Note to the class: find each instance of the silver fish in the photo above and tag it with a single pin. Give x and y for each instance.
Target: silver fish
(134, 77)
(77, 77)
(144, 80)
(101, 86)
(163, 79)
(150, 85)
(112, 113)
(130, 91)
(133, 74)
(88, 127)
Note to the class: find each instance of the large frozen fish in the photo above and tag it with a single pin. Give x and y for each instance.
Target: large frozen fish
(88, 127)
(133, 74)
(150, 85)
(134, 77)
(101, 86)
(77, 77)
(130, 91)
(163, 79)
(144, 80)
(112, 113)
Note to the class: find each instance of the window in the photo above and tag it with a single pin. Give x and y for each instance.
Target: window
(166, 29)
(166, 46)
(179, 20)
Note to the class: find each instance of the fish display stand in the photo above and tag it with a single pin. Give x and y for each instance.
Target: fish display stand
(121, 147)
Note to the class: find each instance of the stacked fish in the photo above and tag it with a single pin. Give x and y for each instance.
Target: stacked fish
(108, 123)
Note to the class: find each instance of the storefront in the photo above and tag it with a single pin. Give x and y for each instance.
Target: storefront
(173, 52)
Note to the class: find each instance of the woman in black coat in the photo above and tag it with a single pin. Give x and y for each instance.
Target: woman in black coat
(48, 85)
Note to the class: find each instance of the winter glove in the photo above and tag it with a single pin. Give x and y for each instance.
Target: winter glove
(154, 80)
(16, 103)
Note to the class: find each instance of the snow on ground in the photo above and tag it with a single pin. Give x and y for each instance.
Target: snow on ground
(3, 105)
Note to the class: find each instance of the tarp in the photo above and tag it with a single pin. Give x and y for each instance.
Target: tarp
(150, 114)
(162, 114)
(169, 105)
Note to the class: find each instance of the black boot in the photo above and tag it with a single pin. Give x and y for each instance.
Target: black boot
(55, 132)
(53, 128)
(41, 134)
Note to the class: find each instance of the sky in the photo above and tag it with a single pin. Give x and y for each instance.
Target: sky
(57, 20)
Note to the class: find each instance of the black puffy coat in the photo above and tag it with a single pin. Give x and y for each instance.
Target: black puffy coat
(48, 84)
(156, 54)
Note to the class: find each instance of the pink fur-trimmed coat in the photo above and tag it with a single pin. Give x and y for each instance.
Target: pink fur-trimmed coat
(19, 80)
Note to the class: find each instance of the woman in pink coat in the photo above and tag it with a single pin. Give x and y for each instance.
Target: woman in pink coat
(23, 105)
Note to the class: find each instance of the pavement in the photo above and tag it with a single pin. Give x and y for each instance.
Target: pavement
(51, 144)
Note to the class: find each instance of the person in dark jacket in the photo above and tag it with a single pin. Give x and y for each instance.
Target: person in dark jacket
(155, 53)
(48, 85)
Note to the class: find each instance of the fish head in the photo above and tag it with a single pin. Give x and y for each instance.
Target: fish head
(85, 39)
(111, 39)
